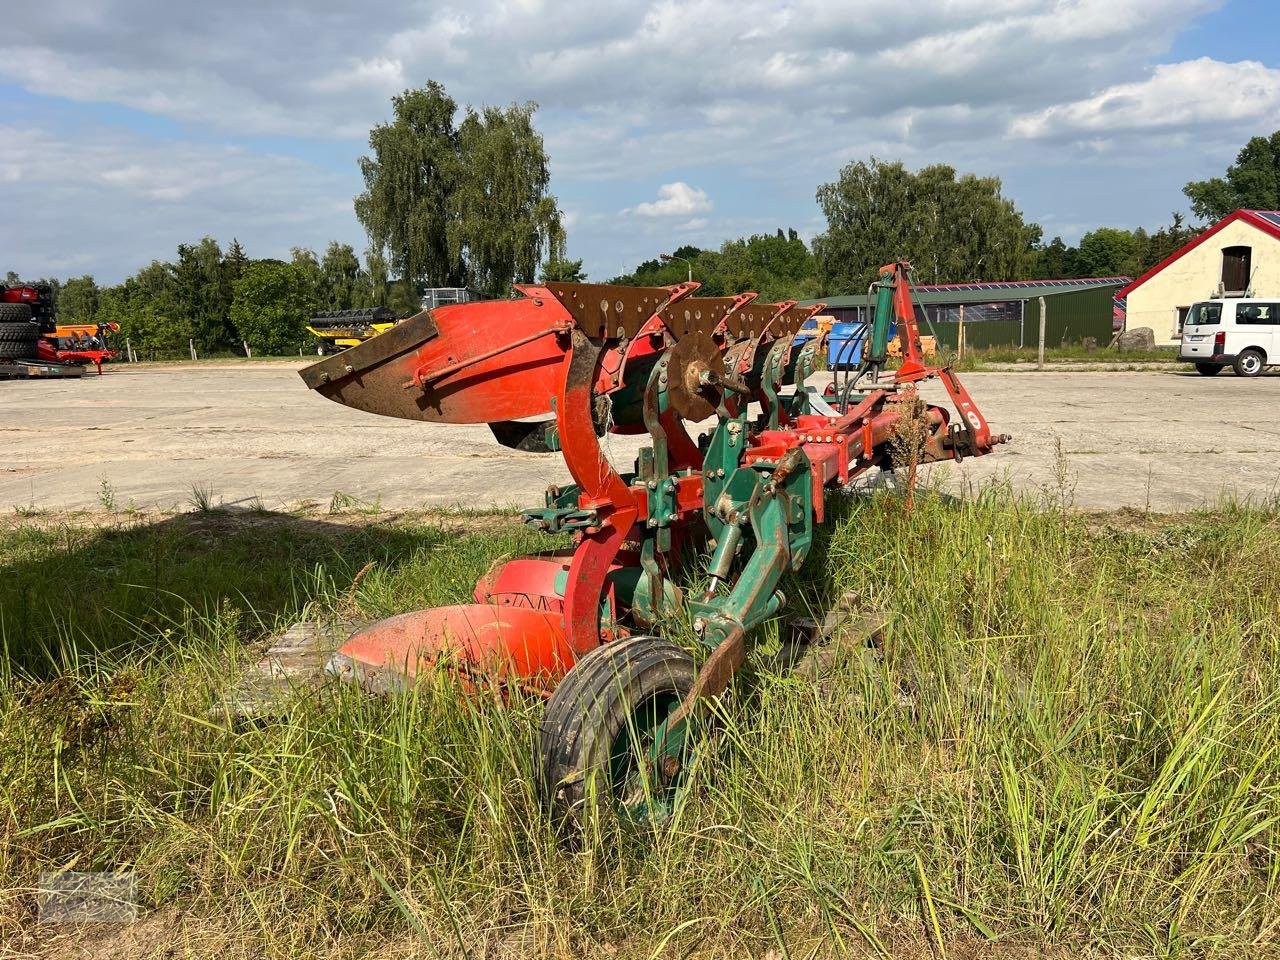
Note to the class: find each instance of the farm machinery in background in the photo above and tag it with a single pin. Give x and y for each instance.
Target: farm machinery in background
(34, 344)
(337, 330)
(78, 343)
(731, 511)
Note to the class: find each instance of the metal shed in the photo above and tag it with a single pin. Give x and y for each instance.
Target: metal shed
(1005, 314)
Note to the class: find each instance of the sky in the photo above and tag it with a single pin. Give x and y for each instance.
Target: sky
(130, 126)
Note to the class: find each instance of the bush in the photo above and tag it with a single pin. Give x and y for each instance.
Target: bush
(273, 301)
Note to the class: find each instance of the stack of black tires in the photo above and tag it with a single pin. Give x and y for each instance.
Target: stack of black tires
(18, 332)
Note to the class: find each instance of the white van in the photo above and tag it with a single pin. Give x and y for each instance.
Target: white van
(1243, 334)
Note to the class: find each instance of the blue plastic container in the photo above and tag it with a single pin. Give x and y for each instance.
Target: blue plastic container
(844, 345)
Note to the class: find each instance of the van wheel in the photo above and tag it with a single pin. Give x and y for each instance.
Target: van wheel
(1249, 363)
(1208, 369)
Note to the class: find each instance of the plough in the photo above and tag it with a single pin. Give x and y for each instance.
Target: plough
(732, 510)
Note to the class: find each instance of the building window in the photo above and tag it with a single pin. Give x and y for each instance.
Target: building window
(1236, 263)
(1182, 318)
(1008, 310)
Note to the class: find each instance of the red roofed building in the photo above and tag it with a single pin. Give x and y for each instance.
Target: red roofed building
(1238, 255)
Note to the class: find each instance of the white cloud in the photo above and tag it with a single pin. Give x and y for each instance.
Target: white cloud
(109, 203)
(1175, 96)
(440, 39)
(384, 74)
(187, 93)
(674, 200)
(780, 70)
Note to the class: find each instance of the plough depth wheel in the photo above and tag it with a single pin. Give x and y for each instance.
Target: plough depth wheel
(602, 727)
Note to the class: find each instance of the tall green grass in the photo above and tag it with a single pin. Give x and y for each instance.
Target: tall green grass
(1067, 743)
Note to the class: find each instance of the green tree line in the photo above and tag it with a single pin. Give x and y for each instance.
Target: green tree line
(775, 265)
(953, 228)
(221, 299)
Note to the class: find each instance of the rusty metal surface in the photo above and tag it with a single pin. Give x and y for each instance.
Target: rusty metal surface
(737, 359)
(776, 319)
(693, 359)
(295, 661)
(403, 337)
(713, 679)
(608, 311)
(697, 314)
(754, 319)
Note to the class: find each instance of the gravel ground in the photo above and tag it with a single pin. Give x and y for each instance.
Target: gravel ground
(251, 432)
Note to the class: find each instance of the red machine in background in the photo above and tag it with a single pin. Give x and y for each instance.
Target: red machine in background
(29, 331)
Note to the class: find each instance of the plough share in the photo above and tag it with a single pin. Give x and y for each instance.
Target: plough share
(555, 368)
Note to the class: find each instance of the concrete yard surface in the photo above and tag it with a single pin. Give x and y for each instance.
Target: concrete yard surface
(251, 433)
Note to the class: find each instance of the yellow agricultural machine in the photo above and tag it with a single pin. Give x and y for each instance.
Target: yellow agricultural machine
(338, 330)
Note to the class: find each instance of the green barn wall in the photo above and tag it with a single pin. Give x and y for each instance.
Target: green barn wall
(1072, 316)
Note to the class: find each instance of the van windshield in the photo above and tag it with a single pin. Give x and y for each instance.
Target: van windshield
(1204, 314)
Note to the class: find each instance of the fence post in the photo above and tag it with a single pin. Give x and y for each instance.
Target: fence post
(247, 351)
(960, 336)
(1040, 362)
(128, 350)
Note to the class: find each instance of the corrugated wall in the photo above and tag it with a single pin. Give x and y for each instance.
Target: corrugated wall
(1072, 316)
(977, 336)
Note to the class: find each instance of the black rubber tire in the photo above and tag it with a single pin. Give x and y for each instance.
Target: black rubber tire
(590, 710)
(1208, 369)
(15, 313)
(1249, 363)
(17, 350)
(22, 332)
